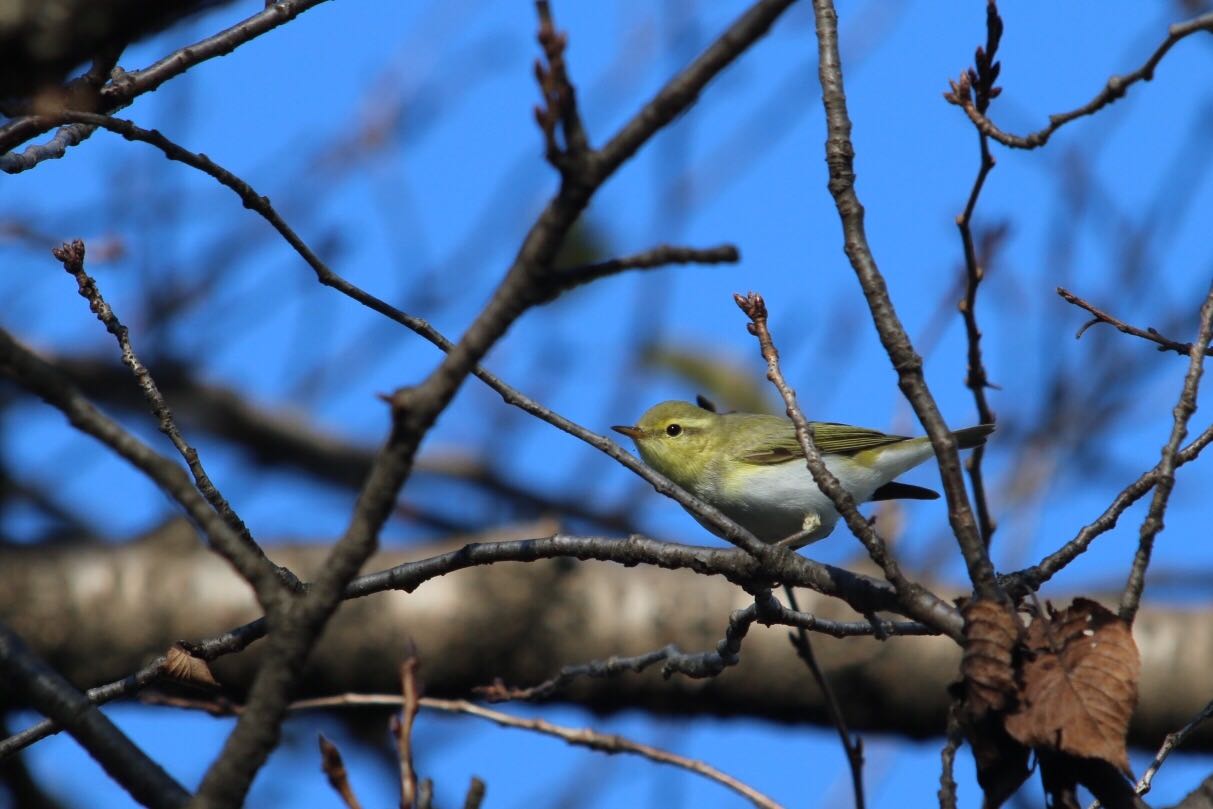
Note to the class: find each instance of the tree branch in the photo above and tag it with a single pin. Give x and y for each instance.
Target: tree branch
(49, 693)
(1031, 579)
(1130, 599)
(983, 75)
(1149, 333)
(125, 87)
(72, 257)
(1114, 88)
(25, 368)
(840, 155)
(661, 256)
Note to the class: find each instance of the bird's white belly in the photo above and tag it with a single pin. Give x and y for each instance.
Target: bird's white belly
(773, 501)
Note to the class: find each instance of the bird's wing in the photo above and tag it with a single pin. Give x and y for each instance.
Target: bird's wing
(779, 443)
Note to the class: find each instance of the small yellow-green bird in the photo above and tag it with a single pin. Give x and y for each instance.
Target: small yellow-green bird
(751, 466)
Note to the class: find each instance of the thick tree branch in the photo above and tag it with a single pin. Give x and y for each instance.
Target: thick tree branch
(28, 678)
(522, 623)
(866, 596)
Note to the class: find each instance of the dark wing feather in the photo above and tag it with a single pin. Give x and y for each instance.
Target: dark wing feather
(903, 491)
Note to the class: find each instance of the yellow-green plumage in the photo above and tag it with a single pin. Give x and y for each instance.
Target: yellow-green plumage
(751, 467)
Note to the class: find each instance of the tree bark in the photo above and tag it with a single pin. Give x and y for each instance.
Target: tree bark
(97, 613)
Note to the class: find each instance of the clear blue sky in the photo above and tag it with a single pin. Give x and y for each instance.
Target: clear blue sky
(465, 160)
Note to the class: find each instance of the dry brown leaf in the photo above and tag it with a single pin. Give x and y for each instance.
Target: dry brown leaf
(992, 633)
(1079, 684)
(181, 665)
(1002, 762)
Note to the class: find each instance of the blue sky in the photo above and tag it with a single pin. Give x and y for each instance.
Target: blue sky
(447, 199)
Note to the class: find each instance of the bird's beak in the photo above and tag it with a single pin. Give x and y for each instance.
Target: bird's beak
(631, 432)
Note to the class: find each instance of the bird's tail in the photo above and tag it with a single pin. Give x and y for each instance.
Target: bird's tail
(971, 437)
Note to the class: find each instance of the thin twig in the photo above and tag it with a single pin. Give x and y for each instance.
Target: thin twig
(1115, 88)
(559, 97)
(840, 157)
(1148, 333)
(1169, 745)
(852, 746)
(261, 205)
(660, 256)
(918, 602)
(72, 257)
(404, 734)
(765, 610)
(1030, 579)
(583, 737)
(947, 757)
(1131, 597)
(983, 75)
(23, 366)
(334, 770)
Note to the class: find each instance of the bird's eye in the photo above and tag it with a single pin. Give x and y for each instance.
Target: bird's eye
(673, 430)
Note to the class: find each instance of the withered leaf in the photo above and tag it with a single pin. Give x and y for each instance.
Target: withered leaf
(1079, 684)
(1002, 762)
(181, 665)
(992, 631)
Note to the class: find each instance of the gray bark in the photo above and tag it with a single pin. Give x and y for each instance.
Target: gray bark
(97, 613)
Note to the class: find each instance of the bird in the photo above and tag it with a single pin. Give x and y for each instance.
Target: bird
(751, 467)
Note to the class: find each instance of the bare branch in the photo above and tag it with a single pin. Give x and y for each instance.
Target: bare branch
(661, 256)
(1131, 597)
(24, 367)
(475, 794)
(559, 96)
(31, 680)
(1169, 745)
(947, 756)
(1149, 333)
(840, 154)
(982, 76)
(125, 87)
(581, 737)
(852, 746)
(72, 256)
(765, 610)
(261, 205)
(1115, 88)
(861, 592)
(402, 727)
